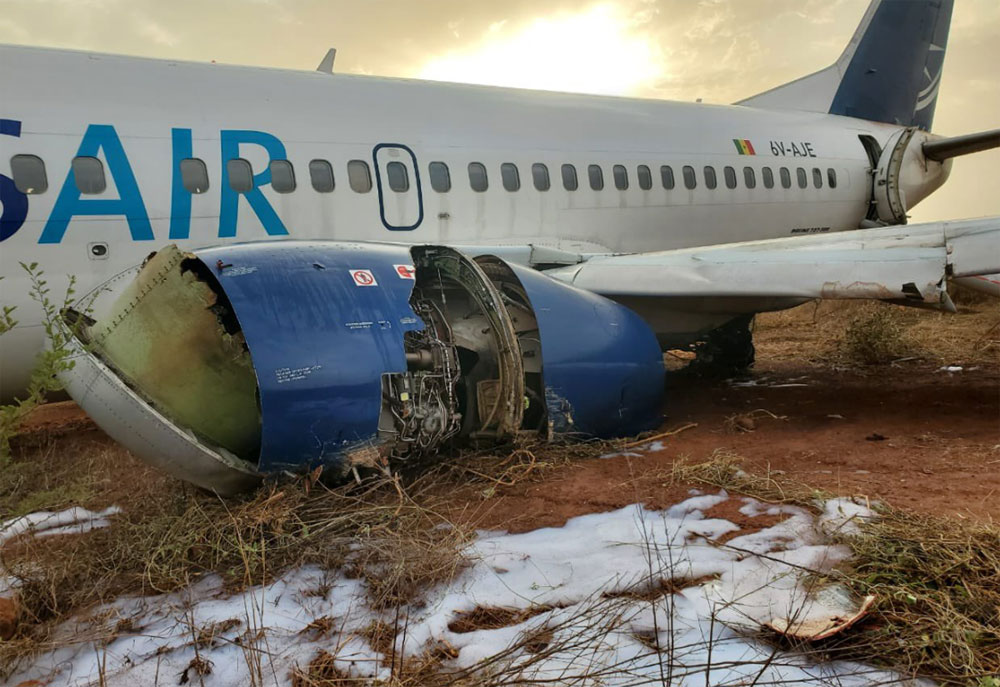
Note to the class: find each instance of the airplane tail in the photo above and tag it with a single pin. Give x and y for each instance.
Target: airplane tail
(889, 72)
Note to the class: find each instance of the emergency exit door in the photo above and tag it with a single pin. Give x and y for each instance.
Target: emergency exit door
(397, 178)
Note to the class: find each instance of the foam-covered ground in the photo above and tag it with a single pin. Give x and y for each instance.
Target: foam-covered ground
(616, 598)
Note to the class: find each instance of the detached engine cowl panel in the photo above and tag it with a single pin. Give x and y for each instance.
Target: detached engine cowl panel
(229, 363)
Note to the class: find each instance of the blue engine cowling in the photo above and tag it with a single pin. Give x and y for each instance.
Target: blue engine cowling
(602, 366)
(363, 353)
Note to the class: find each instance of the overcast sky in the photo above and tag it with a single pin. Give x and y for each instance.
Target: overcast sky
(717, 50)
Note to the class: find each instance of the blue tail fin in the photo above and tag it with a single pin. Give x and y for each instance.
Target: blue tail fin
(890, 71)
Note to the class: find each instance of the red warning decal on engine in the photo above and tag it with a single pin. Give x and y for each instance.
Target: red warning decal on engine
(363, 278)
(405, 271)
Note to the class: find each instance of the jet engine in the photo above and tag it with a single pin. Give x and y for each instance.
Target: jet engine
(912, 164)
(904, 175)
(229, 363)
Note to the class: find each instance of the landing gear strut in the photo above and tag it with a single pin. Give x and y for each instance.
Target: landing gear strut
(726, 351)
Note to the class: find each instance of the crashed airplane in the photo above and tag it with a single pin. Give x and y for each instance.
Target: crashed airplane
(229, 363)
(412, 293)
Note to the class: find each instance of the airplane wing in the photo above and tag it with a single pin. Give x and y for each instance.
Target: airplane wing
(907, 264)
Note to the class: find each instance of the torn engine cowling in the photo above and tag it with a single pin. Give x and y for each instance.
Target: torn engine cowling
(232, 362)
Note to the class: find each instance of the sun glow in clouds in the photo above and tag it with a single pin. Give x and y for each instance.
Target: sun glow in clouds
(598, 50)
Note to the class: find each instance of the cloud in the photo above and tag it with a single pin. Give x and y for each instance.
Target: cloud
(599, 49)
(719, 50)
(156, 32)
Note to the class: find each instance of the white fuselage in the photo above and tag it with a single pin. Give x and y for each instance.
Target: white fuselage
(141, 117)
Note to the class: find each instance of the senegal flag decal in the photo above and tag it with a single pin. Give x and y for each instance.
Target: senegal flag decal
(744, 146)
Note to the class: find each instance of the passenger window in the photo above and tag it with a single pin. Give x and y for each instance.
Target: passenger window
(359, 176)
(831, 177)
(690, 181)
(621, 177)
(240, 174)
(282, 176)
(768, 177)
(398, 177)
(596, 175)
(540, 176)
(645, 177)
(477, 177)
(710, 179)
(730, 175)
(817, 177)
(440, 177)
(786, 178)
(749, 177)
(667, 177)
(801, 176)
(321, 175)
(194, 175)
(570, 182)
(88, 173)
(29, 174)
(508, 174)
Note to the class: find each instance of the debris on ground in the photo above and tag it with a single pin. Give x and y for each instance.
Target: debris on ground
(841, 609)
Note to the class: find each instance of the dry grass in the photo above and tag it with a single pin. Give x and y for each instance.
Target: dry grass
(323, 671)
(489, 618)
(876, 335)
(385, 532)
(389, 530)
(937, 581)
(817, 332)
(422, 671)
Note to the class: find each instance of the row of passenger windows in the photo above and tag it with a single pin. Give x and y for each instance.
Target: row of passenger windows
(88, 172)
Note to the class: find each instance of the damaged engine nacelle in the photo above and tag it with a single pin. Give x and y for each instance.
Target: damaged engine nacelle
(904, 176)
(233, 362)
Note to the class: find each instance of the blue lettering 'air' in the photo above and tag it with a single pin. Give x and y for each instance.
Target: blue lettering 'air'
(180, 197)
(230, 199)
(14, 203)
(69, 204)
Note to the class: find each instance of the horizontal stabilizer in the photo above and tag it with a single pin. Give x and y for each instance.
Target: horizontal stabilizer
(943, 148)
(907, 264)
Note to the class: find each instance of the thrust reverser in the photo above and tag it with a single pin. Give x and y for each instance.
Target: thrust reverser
(229, 363)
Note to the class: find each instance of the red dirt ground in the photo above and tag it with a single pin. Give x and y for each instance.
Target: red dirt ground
(940, 453)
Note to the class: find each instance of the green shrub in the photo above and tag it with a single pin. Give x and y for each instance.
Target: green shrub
(51, 361)
(876, 335)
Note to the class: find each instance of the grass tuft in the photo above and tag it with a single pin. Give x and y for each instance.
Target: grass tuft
(936, 581)
(387, 533)
(876, 335)
(938, 585)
